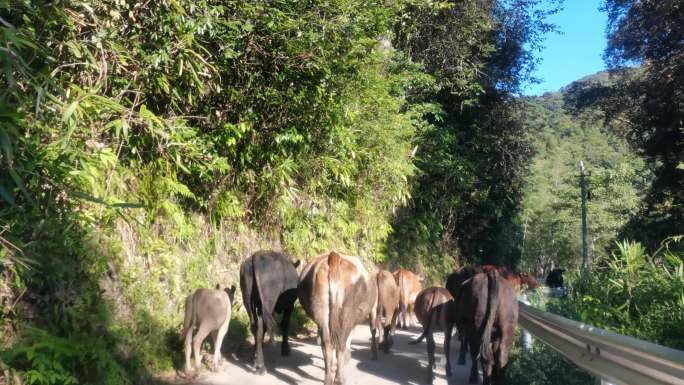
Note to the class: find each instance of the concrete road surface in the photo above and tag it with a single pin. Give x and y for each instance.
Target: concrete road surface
(406, 364)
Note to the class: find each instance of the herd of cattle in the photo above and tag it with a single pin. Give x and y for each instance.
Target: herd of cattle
(337, 292)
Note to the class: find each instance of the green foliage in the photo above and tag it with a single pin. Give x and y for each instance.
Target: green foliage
(629, 292)
(644, 105)
(544, 366)
(147, 148)
(53, 360)
(550, 216)
(471, 149)
(633, 293)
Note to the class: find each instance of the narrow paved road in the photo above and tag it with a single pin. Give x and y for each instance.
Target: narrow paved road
(406, 364)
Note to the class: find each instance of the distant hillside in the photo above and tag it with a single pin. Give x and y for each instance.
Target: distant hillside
(551, 203)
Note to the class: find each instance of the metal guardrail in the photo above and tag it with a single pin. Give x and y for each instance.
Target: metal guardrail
(613, 357)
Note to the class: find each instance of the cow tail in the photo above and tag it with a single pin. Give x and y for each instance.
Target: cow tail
(403, 298)
(189, 320)
(492, 307)
(335, 305)
(266, 315)
(379, 305)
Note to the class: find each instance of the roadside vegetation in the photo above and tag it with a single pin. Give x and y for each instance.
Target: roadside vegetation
(147, 148)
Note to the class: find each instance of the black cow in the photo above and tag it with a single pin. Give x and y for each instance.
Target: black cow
(454, 283)
(487, 311)
(555, 278)
(268, 281)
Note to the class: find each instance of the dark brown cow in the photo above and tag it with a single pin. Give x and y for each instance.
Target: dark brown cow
(487, 310)
(454, 284)
(268, 281)
(388, 307)
(435, 311)
(518, 280)
(409, 287)
(337, 292)
(555, 278)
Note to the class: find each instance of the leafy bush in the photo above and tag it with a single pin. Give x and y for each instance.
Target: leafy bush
(544, 366)
(49, 360)
(633, 293)
(630, 292)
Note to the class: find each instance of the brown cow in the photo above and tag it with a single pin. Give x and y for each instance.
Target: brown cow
(487, 310)
(435, 311)
(388, 307)
(337, 292)
(206, 311)
(518, 280)
(409, 287)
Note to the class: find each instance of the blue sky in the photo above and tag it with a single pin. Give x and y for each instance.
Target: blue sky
(574, 53)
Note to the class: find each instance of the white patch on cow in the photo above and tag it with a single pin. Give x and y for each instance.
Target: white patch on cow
(360, 270)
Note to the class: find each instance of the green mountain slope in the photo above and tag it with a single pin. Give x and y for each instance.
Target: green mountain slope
(550, 217)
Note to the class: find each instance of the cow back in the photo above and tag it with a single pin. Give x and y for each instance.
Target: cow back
(267, 276)
(337, 292)
(428, 300)
(458, 277)
(409, 285)
(388, 293)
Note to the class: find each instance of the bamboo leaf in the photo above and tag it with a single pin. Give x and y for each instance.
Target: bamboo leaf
(69, 111)
(6, 146)
(7, 196)
(94, 199)
(20, 184)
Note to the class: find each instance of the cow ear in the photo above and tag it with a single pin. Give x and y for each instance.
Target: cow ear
(231, 292)
(296, 263)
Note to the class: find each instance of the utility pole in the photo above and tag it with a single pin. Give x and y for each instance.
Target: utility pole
(585, 240)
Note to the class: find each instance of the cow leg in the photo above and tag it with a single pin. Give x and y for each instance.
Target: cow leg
(496, 370)
(218, 341)
(343, 355)
(395, 319)
(326, 346)
(259, 348)
(411, 313)
(188, 348)
(474, 352)
(463, 349)
(431, 353)
(404, 316)
(387, 338)
(373, 330)
(374, 342)
(284, 326)
(197, 340)
(447, 347)
(486, 372)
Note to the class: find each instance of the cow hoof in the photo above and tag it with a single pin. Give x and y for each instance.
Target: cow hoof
(186, 374)
(431, 378)
(261, 370)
